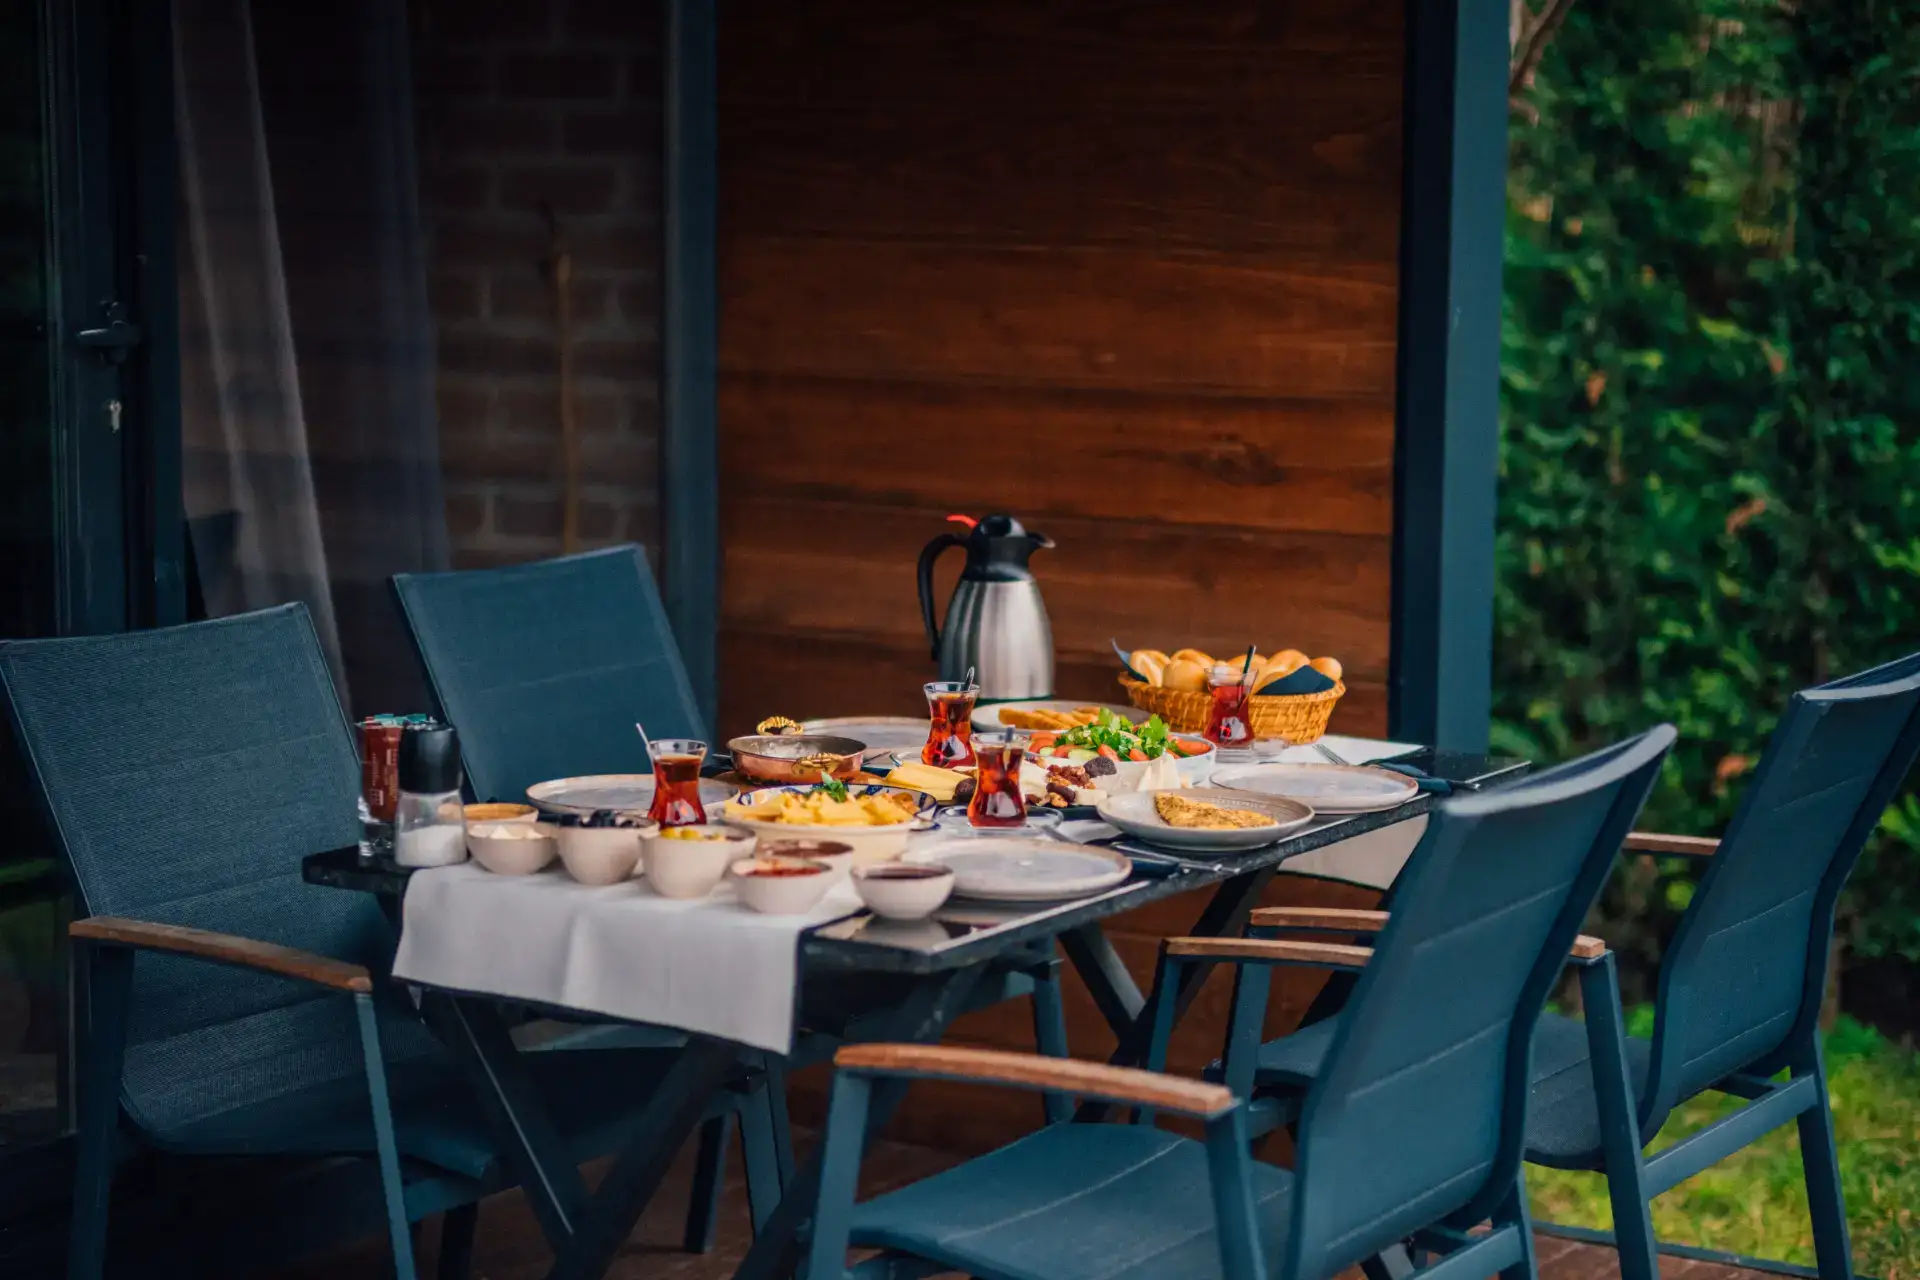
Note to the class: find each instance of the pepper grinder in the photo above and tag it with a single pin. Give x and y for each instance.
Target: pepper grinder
(429, 821)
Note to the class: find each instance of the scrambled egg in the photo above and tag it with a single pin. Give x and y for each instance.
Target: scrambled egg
(1178, 811)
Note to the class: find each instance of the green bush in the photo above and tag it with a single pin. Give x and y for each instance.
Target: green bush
(1710, 455)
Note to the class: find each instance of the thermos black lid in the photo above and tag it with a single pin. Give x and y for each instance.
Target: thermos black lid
(429, 759)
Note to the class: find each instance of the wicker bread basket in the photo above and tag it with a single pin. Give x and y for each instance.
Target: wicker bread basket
(1299, 718)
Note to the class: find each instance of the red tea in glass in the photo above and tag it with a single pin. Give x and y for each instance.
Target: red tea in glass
(950, 738)
(676, 782)
(997, 801)
(1230, 720)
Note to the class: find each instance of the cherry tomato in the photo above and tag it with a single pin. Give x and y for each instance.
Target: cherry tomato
(1136, 754)
(1109, 753)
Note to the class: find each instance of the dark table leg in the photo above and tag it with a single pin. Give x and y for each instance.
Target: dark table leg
(922, 1016)
(676, 1108)
(516, 1114)
(1225, 913)
(1113, 989)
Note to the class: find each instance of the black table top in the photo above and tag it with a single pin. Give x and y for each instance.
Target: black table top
(962, 933)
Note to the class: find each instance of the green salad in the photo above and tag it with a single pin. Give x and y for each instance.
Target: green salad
(1115, 737)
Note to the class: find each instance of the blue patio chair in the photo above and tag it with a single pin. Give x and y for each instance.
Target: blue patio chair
(1741, 981)
(1742, 978)
(227, 1007)
(545, 667)
(1414, 1126)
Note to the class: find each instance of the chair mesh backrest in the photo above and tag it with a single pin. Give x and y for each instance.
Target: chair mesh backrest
(1748, 959)
(1419, 1112)
(186, 773)
(544, 668)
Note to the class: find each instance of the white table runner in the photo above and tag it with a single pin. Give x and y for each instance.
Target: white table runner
(709, 965)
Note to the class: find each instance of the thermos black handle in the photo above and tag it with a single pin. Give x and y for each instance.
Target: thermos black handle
(928, 554)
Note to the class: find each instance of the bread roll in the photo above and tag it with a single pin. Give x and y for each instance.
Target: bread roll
(1184, 675)
(1328, 667)
(1194, 656)
(1149, 667)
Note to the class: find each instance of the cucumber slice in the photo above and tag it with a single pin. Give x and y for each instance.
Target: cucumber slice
(1079, 755)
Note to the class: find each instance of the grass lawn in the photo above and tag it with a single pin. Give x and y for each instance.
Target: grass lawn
(1755, 1202)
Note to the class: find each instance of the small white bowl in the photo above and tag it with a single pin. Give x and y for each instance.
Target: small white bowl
(506, 849)
(681, 868)
(788, 895)
(904, 890)
(602, 855)
(495, 812)
(837, 854)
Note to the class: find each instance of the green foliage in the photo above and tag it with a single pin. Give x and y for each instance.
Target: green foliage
(1755, 1203)
(1710, 490)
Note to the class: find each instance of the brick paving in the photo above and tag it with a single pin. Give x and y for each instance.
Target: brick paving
(510, 1246)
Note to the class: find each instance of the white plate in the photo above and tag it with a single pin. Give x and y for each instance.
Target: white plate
(1025, 869)
(889, 739)
(988, 717)
(624, 791)
(1329, 788)
(1134, 814)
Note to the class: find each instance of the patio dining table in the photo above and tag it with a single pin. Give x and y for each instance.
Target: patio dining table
(859, 978)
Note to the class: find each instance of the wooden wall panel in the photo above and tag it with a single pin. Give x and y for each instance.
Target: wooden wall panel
(1125, 268)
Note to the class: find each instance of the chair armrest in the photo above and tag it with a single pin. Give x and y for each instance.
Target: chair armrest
(1270, 951)
(222, 948)
(1121, 1085)
(1686, 846)
(1324, 919)
(1341, 919)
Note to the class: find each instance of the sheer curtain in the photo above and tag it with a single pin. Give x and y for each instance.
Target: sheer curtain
(310, 448)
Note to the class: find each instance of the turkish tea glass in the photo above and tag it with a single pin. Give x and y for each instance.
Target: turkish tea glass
(997, 801)
(676, 782)
(950, 735)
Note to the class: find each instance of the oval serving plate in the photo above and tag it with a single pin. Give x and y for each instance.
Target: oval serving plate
(923, 804)
(988, 716)
(1134, 814)
(1329, 788)
(1025, 869)
(624, 791)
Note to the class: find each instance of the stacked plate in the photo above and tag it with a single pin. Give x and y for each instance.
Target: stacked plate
(1024, 868)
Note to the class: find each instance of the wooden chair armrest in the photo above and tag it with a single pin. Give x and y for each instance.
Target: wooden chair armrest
(1686, 846)
(1121, 1085)
(1585, 947)
(1328, 919)
(1271, 950)
(248, 953)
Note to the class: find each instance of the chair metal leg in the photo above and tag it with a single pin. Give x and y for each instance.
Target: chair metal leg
(709, 1180)
(107, 979)
(1819, 1157)
(1050, 1033)
(1619, 1123)
(391, 1185)
(775, 1072)
(456, 1242)
(760, 1152)
(1515, 1211)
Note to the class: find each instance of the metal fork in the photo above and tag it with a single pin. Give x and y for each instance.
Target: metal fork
(1331, 756)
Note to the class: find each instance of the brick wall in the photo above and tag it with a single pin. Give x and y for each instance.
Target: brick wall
(522, 103)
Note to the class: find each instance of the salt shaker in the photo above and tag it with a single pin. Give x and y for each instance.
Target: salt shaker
(429, 821)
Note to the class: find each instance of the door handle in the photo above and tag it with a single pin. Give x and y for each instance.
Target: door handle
(113, 339)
